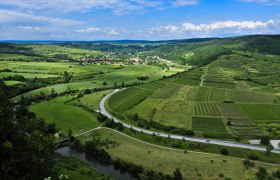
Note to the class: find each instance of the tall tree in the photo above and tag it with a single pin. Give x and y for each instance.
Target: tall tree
(26, 149)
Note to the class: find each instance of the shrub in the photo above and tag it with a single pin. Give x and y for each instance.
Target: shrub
(142, 78)
(253, 157)
(87, 91)
(265, 140)
(247, 163)
(262, 173)
(224, 151)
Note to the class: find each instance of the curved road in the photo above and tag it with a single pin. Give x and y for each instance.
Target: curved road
(200, 140)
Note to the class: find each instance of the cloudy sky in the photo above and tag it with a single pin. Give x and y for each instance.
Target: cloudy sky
(136, 19)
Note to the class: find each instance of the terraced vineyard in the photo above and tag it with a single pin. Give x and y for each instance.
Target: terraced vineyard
(206, 109)
(209, 126)
(221, 97)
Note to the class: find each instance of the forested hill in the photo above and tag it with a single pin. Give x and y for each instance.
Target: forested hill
(196, 52)
(202, 53)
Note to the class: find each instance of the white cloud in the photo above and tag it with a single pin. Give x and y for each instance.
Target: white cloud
(89, 30)
(7, 16)
(215, 29)
(117, 6)
(266, 2)
(227, 25)
(28, 28)
(113, 32)
(177, 3)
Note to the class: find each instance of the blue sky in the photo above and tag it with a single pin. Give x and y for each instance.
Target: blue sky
(136, 19)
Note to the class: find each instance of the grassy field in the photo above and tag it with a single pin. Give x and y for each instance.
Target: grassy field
(64, 115)
(193, 165)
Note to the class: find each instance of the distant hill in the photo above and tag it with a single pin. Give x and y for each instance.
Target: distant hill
(202, 53)
(198, 51)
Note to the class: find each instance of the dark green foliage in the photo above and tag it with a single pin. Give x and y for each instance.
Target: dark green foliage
(277, 174)
(101, 117)
(109, 123)
(262, 173)
(253, 157)
(127, 166)
(52, 128)
(91, 148)
(77, 145)
(263, 44)
(265, 140)
(27, 149)
(224, 151)
(142, 78)
(87, 91)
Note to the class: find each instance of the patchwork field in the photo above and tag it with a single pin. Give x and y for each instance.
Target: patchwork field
(214, 98)
(99, 76)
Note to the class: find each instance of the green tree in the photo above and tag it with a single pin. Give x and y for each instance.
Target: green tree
(265, 140)
(27, 150)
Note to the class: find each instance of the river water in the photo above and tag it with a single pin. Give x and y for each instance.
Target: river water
(97, 165)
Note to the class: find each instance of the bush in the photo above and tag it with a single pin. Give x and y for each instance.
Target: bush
(265, 140)
(142, 78)
(87, 91)
(224, 151)
(247, 163)
(101, 117)
(120, 127)
(262, 173)
(109, 123)
(253, 157)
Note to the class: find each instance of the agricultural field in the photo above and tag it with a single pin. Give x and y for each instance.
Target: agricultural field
(193, 165)
(174, 113)
(146, 107)
(167, 92)
(124, 102)
(209, 126)
(262, 112)
(65, 115)
(249, 97)
(206, 109)
(227, 93)
(111, 76)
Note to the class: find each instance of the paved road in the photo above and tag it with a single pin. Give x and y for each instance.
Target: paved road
(200, 140)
